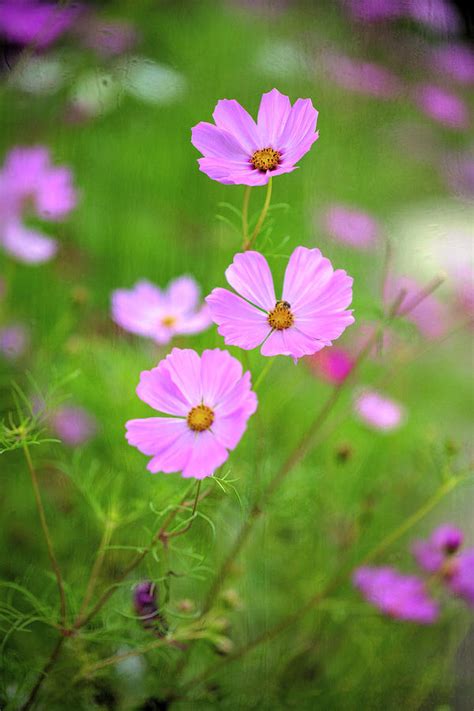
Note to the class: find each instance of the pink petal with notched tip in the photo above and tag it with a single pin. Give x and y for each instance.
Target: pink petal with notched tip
(239, 322)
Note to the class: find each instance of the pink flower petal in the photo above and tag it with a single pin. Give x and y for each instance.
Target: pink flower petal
(176, 456)
(250, 276)
(196, 323)
(184, 367)
(137, 309)
(272, 117)
(239, 399)
(306, 276)
(183, 294)
(155, 434)
(158, 390)
(229, 430)
(291, 342)
(230, 116)
(219, 374)
(27, 245)
(240, 323)
(301, 124)
(207, 454)
(214, 142)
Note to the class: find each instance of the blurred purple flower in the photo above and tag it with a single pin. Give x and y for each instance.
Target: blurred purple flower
(458, 171)
(30, 184)
(332, 364)
(442, 106)
(429, 316)
(439, 15)
(35, 22)
(148, 311)
(351, 226)
(238, 151)
(403, 597)
(374, 10)
(431, 554)
(13, 341)
(461, 576)
(107, 38)
(362, 77)
(455, 61)
(378, 411)
(73, 425)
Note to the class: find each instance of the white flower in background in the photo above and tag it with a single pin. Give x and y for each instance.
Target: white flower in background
(149, 81)
(95, 94)
(281, 59)
(41, 74)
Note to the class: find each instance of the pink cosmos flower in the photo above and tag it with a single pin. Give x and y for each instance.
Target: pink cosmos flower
(148, 311)
(30, 184)
(403, 597)
(455, 61)
(378, 411)
(73, 425)
(461, 578)
(13, 341)
(442, 544)
(238, 151)
(209, 401)
(311, 313)
(351, 226)
(442, 106)
(366, 78)
(429, 316)
(34, 22)
(332, 364)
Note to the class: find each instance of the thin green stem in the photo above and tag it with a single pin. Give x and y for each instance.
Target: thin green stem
(245, 217)
(47, 536)
(97, 567)
(262, 216)
(181, 531)
(44, 674)
(263, 373)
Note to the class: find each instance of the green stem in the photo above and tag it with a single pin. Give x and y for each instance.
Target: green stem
(97, 567)
(245, 217)
(263, 373)
(262, 216)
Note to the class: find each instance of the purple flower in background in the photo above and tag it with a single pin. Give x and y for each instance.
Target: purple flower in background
(438, 15)
(362, 77)
(432, 553)
(30, 184)
(311, 313)
(442, 106)
(461, 576)
(351, 226)
(374, 10)
(458, 171)
(378, 411)
(160, 314)
(332, 364)
(34, 22)
(455, 61)
(73, 425)
(13, 341)
(429, 316)
(403, 597)
(209, 401)
(238, 151)
(107, 38)
(146, 607)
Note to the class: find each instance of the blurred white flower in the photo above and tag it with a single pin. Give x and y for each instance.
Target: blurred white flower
(281, 59)
(95, 94)
(149, 81)
(41, 74)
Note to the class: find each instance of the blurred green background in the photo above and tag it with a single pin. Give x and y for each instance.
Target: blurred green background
(145, 211)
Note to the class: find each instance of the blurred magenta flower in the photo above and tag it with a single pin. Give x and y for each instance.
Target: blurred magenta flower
(332, 364)
(34, 22)
(455, 61)
(238, 151)
(442, 106)
(146, 607)
(351, 226)
(160, 314)
(461, 576)
(30, 184)
(362, 77)
(439, 15)
(13, 341)
(429, 316)
(378, 411)
(73, 425)
(403, 597)
(311, 313)
(209, 400)
(374, 10)
(107, 38)
(431, 554)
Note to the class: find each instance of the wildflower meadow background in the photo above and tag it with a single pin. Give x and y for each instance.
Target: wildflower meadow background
(236, 394)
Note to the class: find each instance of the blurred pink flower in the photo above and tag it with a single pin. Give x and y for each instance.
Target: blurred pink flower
(461, 576)
(429, 316)
(351, 226)
(378, 411)
(442, 106)
(30, 184)
(311, 313)
(73, 425)
(238, 151)
(431, 554)
(34, 22)
(403, 597)
(209, 400)
(13, 341)
(455, 61)
(362, 77)
(374, 10)
(332, 364)
(107, 37)
(458, 171)
(439, 15)
(148, 311)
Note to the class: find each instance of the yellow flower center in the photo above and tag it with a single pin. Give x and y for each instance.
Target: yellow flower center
(168, 321)
(265, 159)
(281, 317)
(200, 418)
